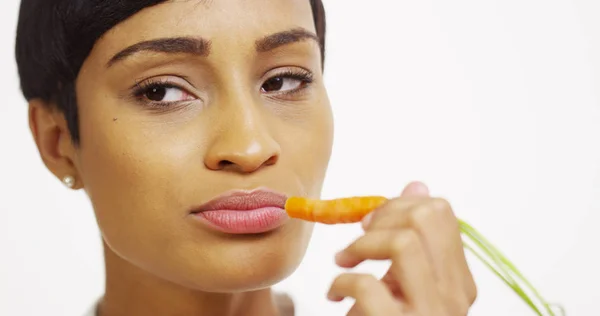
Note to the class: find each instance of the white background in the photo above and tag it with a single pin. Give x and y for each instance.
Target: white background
(493, 103)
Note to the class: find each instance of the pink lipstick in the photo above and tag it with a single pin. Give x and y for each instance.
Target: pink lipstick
(244, 212)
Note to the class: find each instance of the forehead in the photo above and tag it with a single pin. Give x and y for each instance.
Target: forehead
(222, 22)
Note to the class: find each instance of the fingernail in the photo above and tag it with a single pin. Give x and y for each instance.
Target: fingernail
(367, 220)
(334, 298)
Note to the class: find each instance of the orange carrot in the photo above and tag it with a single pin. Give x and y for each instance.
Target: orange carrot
(339, 211)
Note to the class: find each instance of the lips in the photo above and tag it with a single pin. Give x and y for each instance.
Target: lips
(244, 212)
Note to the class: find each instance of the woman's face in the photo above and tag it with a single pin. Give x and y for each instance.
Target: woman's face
(230, 97)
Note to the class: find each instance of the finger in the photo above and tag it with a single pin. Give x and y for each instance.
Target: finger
(410, 264)
(416, 189)
(413, 189)
(372, 297)
(435, 222)
(439, 229)
(375, 245)
(394, 206)
(437, 225)
(414, 212)
(357, 311)
(395, 213)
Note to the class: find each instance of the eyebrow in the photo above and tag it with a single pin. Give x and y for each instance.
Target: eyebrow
(176, 45)
(277, 40)
(201, 47)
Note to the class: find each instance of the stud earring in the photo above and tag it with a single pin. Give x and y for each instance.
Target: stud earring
(69, 181)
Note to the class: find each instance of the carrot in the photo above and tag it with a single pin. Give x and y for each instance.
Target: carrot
(354, 209)
(339, 211)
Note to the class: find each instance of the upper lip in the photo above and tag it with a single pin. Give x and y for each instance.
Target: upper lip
(244, 200)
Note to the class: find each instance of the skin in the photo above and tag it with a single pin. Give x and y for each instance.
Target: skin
(429, 274)
(145, 165)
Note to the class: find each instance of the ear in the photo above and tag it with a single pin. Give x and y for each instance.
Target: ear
(53, 140)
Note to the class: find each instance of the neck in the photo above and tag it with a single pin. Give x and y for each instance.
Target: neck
(132, 291)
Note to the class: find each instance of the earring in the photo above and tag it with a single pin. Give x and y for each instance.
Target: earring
(69, 181)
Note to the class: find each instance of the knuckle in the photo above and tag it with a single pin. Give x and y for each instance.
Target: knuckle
(424, 215)
(401, 242)
(462, 306)
(472, 292)
(461, 302)
(435, 210)
(441, 205)
(455, 304)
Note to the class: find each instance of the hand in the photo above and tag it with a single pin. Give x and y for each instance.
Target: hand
(429, 275)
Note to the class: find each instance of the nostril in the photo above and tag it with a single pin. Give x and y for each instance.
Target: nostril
(271, 161)
(224, 164)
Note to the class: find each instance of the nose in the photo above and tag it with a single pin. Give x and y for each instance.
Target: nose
(243, 145)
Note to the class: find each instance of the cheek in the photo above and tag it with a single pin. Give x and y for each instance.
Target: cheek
(307, 146)
(132, 173)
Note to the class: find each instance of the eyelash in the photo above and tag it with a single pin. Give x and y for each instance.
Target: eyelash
(144, 87)
(140, 89)
(304, 76)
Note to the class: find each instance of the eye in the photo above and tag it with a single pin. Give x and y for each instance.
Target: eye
(281, 84)
(164, 93)
(287, 82)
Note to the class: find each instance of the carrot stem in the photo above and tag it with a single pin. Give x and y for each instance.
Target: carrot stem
(508, 281)
(502, 260)
(499, 263)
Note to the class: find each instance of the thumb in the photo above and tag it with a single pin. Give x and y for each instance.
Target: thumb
(415, 189)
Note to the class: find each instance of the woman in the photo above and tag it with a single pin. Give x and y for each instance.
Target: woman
(188, 123)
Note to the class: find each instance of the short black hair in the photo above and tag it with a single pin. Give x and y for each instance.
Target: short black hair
(54, 37)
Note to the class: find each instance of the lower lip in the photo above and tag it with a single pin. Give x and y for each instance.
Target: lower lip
(256, 221)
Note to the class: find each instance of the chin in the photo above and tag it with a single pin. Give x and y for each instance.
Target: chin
(252, 279)
(243, 263)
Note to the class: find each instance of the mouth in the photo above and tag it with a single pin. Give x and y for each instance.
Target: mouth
(244, 212)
